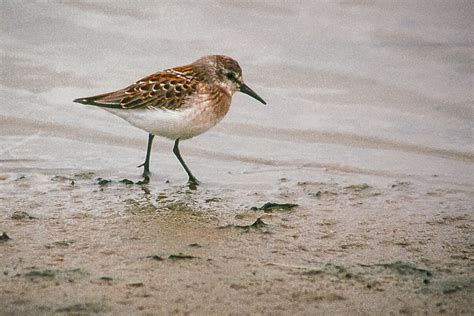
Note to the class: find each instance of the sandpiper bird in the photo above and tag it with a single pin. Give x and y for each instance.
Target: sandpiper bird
(177, 103)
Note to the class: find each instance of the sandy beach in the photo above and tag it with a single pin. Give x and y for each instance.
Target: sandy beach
(350, 193)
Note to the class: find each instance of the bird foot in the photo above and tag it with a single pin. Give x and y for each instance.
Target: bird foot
(193, 183)
(146, 180)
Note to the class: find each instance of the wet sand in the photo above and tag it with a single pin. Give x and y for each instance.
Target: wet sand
(356, 244)
(365, 150)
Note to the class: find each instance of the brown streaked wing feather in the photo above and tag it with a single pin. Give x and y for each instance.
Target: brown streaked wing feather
(168, 89)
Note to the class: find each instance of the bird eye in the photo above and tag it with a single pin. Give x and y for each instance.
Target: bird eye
(230, 76)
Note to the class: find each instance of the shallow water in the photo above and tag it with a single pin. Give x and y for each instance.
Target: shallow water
(372, 86)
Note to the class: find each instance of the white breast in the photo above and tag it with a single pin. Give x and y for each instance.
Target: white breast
(173, 124)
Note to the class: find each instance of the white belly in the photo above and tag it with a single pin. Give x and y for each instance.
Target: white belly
(182, 124)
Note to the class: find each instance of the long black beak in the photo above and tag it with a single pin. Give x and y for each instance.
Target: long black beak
(245, 89)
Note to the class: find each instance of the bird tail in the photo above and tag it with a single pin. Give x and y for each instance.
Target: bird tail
(102, 100)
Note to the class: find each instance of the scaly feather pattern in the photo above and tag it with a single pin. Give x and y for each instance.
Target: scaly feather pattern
(168, 89)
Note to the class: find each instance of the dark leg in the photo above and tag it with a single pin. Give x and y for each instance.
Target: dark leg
(192, 180)
(146, 164)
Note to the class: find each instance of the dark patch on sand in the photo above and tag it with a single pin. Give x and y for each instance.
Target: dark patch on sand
(4, 237)
(270, 207)
(173, 257)
(21, 215)
(156, 257)
(454, 286)
(372, 276)
(136, 284)
(195, 245)
(258, 225)
(403, 268)
(126, 181)
(180, 256)
(358, 187)
(69, 274)
(62, 179)
(82, 309)
(60, 244)
(103, 182)
(87, 175)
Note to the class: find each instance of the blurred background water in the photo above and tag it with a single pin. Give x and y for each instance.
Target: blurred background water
(373, 87)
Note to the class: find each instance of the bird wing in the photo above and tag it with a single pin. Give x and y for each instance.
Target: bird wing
(167, 89)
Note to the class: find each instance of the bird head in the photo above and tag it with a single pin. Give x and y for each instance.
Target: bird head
(227, 73)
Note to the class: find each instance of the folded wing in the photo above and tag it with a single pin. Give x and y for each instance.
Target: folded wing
(168, 89)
